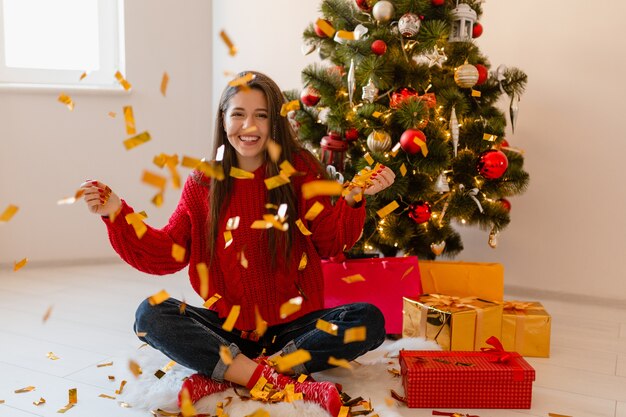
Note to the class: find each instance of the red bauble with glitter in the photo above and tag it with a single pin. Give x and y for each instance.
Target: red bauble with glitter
(398, 97)
(407, 140)
(420, 212)
(477, 30)
(505, 203)
(319, 31)
(310, 96)
(379, 47)
(362, 4)
(492, 164)
(483, 73)
(351, 134)
(437, 2)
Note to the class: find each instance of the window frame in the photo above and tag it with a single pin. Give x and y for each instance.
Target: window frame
(111, 56)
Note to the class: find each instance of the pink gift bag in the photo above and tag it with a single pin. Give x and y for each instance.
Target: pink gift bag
(385, 281)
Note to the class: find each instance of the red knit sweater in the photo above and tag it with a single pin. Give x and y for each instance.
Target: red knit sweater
(337, 227)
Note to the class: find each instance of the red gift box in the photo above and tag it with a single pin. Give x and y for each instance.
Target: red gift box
(386, 281)
(488, 379)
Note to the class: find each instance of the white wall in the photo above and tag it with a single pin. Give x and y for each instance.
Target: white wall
(46, 152)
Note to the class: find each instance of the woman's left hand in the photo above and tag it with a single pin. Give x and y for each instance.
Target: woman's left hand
(380, 180)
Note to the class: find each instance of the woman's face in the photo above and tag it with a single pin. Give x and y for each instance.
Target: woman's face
(246, 122)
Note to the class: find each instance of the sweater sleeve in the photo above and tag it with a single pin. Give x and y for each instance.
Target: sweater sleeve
(153, 252)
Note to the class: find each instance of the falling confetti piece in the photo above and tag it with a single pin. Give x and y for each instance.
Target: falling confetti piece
(287, 107)
(203, 274)
(261, 325)
(42, 400)
(23, 390)
(64, 409)
(233, 223)
(232, 49)
(112, 114)
(344, 34)
(226, 355)
(164, 81)
(240, 173)
(369, 158)
(342, 363)
(343, 411)
(120, 78)
(353, 278)
(157, 200)
(242, 81)
(228, 238)
(82, 76)
(52, 356)
(403, 170)
(161, 372)
(8, 213)
(327, 327)
(46, 315)
(122, 384)
(302, 228)
(102, 365)
(186, 407)
(314, 211)
(73, 394)
(284, 363)
(274, 150)
(111, 378)
(129, 119)
(134, 368)
(19, 264)
(214, 299)
(302, 378)
(106, 396)
(325, 27)
(178, 252)
(321, 187)
(71, 200)
(388, 209)
(153, 179)
(276, 181)
(230, 321)
(135, 141)
(158, 298)
(355, 334)
(67, 100)
(242, 259)
(288, 308)
(303, 262)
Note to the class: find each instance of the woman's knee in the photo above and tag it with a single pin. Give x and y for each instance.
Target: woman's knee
(147, 315)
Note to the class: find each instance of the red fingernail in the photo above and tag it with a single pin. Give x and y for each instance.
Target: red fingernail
(94, 182)
(381, 166)
(373, 175)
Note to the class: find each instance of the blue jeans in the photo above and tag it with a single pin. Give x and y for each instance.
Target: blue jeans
(193, 339)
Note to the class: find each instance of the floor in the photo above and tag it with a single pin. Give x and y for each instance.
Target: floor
(90, 323)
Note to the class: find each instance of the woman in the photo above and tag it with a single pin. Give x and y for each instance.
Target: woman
(275, 272)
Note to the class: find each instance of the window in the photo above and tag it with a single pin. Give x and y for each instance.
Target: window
(54, 42)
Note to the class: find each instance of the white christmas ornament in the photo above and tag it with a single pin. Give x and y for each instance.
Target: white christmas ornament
(383, 11)
(322, 116)
(454, 130)
(435, 57)
(370, 92)
(463, 19)
(441, 185)
(466, 76)
(351, 82)
(409, 24)
(513, 110)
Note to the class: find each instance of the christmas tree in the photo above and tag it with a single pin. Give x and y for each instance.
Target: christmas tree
(403, 84)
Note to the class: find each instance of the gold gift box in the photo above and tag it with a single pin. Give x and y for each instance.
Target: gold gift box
(454, 323)
(463, 279)
(526, 328)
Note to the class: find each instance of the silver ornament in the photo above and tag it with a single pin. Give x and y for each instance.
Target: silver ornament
(454, 130)
(370, 92)
(383, 11)
(493, 239)
(409, 24)
(435, 57)
(351, 82)
(378, 141)
(441, 185)
(513, 110)
(307, 48)
(437, 248)
(466, 76)
(463, 19)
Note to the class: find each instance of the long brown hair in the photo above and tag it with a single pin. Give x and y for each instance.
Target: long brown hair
(282, 133)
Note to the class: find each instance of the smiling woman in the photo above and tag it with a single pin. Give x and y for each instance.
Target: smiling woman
(53, 43)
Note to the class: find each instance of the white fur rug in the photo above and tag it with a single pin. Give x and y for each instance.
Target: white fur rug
(369, 379)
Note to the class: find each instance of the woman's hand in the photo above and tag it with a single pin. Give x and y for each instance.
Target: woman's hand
(100, 198)
(379, 181)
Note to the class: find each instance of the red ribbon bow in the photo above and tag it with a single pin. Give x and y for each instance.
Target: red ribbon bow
(498, 354)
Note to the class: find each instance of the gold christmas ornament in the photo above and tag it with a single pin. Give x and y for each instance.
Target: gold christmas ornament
(383, 11)
(437, 248)
(493, 239)
(466, 76)
(378, 141)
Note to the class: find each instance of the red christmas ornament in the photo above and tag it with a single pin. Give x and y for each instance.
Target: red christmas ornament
(420, 212)
(351, 134)
(437, 2)
(506, 203)
(477, 30)
(407, 140)
(319, 31)
(333, 150)
(504, 144)
(379, 47)
(310, 96)
(362, 4)
(492, 164)
(400, 95)
(483, 73)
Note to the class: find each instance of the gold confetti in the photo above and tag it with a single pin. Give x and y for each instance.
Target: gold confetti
(232, 49)
(407, 272)
(8, 213)
(120, 78)
(291, 306)
(261, 325)
(355, 334)
(403, 170)
(46, 315)
(344, 34)
(321, 187)
(233, 223)
(303, 262)
(52, 356)
(111, 378)
(23, 390)
(82, 76)
(242, 81)
(124, 405)
(251, 129)
(73, 394)
(276, 181)
(225, 355)
(42, 400)
(141, 334)
(232, 318)
(302, 378)
(190, 162)
(164, 81)
(325, 27)
(129, 119)
(287, 107)
(67, 100)
(71, 200)
(242, 259)
(287, 169)
(122, 384)
(314, 211)
(17, 265)
(395, 149)
(134, 368)
(158, 298)
(259, 413)
(377, 114)
(182, 307)
(476, 93)
(153, 179)
(214, 299)
(64, 409)
(284, 363)
(327, 327)
(228, 238)
(178, 252)
(260, 224)
(369, 158)
(353, 278)
(302, 228)
(489, 137)
(136, 220)
(102, 365)
(106, 396)
(240, 173)
(137, 140)
(422, 145)
(557, 415)
(390, 402)
(161, 372)
(343, 411)
(274, 150)
(112, 114)
(203, 275)
(388, 209)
